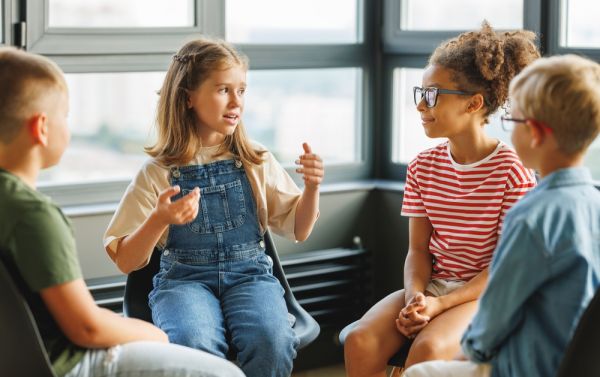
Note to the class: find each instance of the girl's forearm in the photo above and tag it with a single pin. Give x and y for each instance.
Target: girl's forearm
(307, 212)
(135, 249)
(468, 292)
(417, 272)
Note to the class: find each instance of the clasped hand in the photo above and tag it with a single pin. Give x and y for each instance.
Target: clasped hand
(417, 313)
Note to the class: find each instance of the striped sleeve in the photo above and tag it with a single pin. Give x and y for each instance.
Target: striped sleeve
(520, 181)
(412, 203)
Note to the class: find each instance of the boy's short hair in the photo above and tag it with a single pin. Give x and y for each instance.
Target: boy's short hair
(25, 79)
(562, 92)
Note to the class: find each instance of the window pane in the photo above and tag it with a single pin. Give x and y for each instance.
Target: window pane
(408, 136)
(582, 29)
(460, 14)
(592, 159)
(1, 22)
(287, 107)
(119, 13)
(300, 21)
(111, 116)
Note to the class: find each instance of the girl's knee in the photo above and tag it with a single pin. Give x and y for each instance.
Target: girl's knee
(360, 340)
(427, 348)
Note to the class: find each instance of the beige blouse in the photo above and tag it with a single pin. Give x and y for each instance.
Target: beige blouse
(275, 193)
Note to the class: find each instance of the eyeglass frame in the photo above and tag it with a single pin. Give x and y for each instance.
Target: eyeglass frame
(437, 92)
(504, 119)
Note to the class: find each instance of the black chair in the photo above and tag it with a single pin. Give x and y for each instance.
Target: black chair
(399, 357)
(139, 285)
(22, 351)
(581, 356)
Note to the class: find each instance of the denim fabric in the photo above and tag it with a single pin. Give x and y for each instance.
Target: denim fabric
(215, 286)
(152, 359)
(545, 271)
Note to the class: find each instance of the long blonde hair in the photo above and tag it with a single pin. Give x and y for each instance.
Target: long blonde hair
(177, 127)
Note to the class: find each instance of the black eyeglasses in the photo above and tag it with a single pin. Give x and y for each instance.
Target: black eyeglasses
(508, 123)
(431, 94)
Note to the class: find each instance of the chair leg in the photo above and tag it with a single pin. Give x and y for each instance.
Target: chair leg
(397, 372)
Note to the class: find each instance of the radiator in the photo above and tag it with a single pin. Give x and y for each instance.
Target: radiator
(333, 285)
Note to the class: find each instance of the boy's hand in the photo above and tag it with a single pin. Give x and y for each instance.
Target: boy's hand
(312, 167)
(179, 212)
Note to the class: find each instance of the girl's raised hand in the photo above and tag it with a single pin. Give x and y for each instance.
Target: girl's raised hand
(312, 167)
(179, 212)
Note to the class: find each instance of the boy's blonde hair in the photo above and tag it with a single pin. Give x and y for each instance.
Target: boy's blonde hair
(178, 134)
(562, 92)
(25, 79)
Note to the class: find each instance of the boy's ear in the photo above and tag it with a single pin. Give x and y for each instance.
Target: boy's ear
(37, 126)
(475, 103)
(536, 133)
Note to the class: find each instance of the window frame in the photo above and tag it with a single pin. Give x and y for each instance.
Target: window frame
(5, 18)
(411, 49)
(399, 41)
(71, 51)
(43, 39)
(556, 33)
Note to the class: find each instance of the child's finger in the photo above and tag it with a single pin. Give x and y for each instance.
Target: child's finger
(310, 163)
(310, 172)
(166, 194)
(306, 147)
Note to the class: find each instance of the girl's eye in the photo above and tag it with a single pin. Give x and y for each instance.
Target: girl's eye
(223, 90)
(241, 92)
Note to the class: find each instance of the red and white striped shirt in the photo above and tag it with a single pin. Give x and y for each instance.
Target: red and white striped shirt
(465, 204)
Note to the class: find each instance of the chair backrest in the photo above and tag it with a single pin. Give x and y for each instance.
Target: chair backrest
(581, 356)
(139, 285)
(22, 351)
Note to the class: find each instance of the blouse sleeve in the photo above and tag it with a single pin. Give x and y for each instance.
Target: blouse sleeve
(135, 207)
(282, 196)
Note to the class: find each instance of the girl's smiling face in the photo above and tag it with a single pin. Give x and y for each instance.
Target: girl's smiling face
(448, 117)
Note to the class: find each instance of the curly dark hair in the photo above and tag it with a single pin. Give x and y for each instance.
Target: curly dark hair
(485, 61)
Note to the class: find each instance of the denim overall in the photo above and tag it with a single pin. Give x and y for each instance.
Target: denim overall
(215, 277)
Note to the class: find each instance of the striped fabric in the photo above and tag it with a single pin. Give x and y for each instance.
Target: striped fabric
(465, 204)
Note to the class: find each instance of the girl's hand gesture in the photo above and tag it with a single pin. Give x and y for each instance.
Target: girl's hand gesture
(179, 212)
(312, 167)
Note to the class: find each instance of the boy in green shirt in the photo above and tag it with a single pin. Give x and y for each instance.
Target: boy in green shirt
(36, 238)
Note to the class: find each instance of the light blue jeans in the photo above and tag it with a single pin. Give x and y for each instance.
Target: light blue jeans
(152, 359)
(215, 289)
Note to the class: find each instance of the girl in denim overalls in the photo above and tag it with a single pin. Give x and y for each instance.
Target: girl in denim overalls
(205, 200)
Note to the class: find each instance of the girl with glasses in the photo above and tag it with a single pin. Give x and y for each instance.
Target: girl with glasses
(456, 197)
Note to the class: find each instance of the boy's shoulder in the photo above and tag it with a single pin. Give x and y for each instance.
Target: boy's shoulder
(26, 207)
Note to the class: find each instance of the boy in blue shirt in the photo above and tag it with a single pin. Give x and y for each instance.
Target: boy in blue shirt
(546, 267)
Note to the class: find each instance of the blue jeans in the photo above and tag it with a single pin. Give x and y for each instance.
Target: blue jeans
(152, 359)
(215, 287)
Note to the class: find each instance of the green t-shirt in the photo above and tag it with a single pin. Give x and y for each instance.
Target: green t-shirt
(39, 241)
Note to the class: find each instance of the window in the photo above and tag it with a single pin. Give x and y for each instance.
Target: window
(287, 107)
(581, 28)
(71, 27)
(418, 26)
(1, 23)
(111, 116)
(408, 137)
(310, 75)
(291, 22)
(123, 14)
(460, 14)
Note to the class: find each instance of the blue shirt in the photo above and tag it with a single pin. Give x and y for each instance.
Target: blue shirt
(544, 273)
